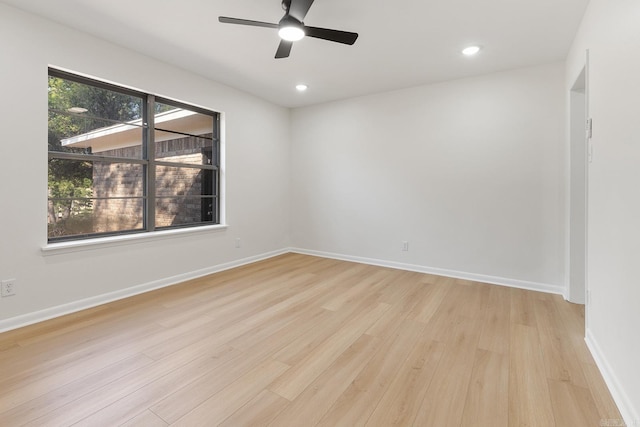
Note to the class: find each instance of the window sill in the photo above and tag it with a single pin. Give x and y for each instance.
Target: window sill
(127, 239)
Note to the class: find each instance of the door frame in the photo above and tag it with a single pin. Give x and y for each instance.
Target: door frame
(579, 158)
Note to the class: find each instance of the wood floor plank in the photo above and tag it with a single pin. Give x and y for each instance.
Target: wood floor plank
(447, 315)
(560, 358)
(360, 399)
(340, 280)
(292, 304)
(300, 348)
(183, 400)
(258, 412)
(293, 331)
(62, 326)
(224, 324)
(176, 366)
(417, 293)
(298, 340)
(25, 364)
(400, 404)
(529, 398)
(291, 384)
(316, 399)
(548, 314)
(602, 399)
(361, 286)
(475, 301)
(64, 395)
(487, 403)
(223, 300)
(572, 405)
(174, 405)
(522, 307)
(495, 329)
(147, 395)
(145, 419)
(37, 380)
(264, 330)
(224, 403)
(437, 293)
(389, 321)
(397, 297)
(443, 403)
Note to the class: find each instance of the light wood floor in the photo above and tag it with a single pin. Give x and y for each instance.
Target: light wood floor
(304, 341)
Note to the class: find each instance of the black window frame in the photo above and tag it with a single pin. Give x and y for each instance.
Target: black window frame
(148, 160)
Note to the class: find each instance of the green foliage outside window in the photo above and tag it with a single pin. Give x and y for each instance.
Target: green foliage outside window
(70, 182)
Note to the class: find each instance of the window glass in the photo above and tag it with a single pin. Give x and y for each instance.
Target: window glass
(93, 120)
(183, 135)
(184, 195)
(184, 210)
(89, 197)
(110, 174)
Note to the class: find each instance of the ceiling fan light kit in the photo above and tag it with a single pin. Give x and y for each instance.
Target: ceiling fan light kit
(470, 50)
(291, 34)
(291, 27)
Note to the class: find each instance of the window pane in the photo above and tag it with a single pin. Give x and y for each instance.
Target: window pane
(194, 189)
(118, 179)
(86, 217)
(181, 119)
(183, 181)
(181, 149)
(176, 211)
(93, 120)
(88, 197)
(183, 136)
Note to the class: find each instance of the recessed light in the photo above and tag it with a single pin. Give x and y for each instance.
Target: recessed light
(77, 110)
(470, 50)
(301, 87)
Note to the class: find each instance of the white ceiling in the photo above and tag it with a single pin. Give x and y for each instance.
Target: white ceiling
(401, 44)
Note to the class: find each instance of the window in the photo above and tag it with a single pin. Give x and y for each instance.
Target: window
(122, 161)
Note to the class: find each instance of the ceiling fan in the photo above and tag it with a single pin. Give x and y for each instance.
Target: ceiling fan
(291, 27)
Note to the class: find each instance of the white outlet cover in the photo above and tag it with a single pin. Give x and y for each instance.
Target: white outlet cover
(8, 287)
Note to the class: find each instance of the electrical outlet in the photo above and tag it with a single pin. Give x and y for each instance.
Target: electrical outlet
(237, 242)
(405, 246)
(8, 287)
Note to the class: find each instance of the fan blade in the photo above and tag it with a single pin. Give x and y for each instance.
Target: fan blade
(284, 49)
(227, 20)
(338, 36)
(299, 8)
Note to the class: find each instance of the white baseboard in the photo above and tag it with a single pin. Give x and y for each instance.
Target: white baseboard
(625, 406)
(61, 310)
(513, 283)
(72, 307)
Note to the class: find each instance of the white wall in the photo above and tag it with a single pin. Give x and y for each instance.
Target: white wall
(577, 174)
(257, 173)
(469, 172)
(611, 32)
